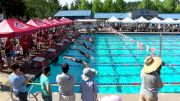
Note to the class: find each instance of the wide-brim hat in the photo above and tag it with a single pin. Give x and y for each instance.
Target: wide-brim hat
(88, 73)
(152, 64)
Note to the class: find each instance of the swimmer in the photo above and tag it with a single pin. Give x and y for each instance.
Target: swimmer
(87, 47)
(77, 60)
(83, 53)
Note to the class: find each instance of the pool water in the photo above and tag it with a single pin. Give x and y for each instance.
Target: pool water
(119, 61)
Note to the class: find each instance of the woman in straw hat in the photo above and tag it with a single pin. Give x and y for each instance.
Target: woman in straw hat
(151, 80)
(88, 86)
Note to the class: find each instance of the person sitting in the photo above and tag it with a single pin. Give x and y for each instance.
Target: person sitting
(77, 60)
(1, 63)
(151, 81)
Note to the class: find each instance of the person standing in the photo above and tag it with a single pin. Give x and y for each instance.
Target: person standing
(18, 81)
(88, 87)
(151, 81)
(45, 85)
(66, 84)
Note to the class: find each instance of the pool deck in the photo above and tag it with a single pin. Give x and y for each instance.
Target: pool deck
(125, 97)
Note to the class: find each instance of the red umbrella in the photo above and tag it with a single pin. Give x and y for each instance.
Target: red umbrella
(14, 27)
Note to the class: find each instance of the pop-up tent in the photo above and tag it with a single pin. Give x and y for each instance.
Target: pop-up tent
(14, 27)
(127, 20)
(178, 21)
(38, 23)
(65, 21)
(169, 21)
(53, 24)
(113, 19)
(142, 20)
(155, 20)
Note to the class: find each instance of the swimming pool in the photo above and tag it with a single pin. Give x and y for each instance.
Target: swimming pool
(119, 62)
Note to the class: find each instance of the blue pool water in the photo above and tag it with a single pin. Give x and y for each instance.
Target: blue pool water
(118, 60)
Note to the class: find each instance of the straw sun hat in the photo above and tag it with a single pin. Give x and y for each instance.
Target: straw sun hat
(152, 64)
(88, 73)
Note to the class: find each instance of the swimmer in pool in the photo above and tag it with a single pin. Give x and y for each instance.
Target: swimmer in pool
(77, 60)
(83, 44)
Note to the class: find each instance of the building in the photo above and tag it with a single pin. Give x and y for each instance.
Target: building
(87, 14)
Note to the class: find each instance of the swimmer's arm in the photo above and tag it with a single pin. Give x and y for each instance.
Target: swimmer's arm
(70, 58)
(85, 64)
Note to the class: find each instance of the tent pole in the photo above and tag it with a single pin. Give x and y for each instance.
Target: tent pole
(160, 44)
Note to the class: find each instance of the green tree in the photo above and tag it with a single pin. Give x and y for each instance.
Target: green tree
(148, 4)
(132, 6)
(169, 6)
(119, 6)
(89, 5)
(77, 4)
(108, 6)
(97, 7)
(177, 10)
(83, 5)
(72, 6)
(65, 7)
(158, 5)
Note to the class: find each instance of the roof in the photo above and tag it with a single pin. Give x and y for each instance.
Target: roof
(173, 16)
(109, 15)
(66, 13)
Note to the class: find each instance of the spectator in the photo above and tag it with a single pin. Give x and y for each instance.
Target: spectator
(88, 86)
(151, 81)
(1, 63)
(45, 85)
(8, 51)
(18, 81)
(66, 84)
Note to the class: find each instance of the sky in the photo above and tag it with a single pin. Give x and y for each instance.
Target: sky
(63, 2)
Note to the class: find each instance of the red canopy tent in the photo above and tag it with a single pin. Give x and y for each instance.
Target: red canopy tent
(14, 27)
(66, 21)
(50, 22)
(57, 21)
(38, 23)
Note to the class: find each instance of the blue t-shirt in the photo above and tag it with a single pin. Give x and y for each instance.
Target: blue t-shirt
(17, 82)
(44, 83)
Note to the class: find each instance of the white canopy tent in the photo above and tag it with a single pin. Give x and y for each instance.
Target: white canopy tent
(169, 21)
(86, 20)
(142, 20)
(113, 19)
(127, 20)
(178, 21)
(155, 20)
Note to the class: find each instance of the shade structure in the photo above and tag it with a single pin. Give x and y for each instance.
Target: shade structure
(178, 21)
(38, 23)
(48, 21)
(113, 19)
(127, 20)
(169, 21)
(142, 20)
(65, 21)
(155, 20)
(14, 27)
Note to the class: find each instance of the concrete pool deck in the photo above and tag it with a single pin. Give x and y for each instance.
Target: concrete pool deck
(125, 97)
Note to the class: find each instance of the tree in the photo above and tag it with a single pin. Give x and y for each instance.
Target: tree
(83, 5)
(89, 5)
(72, 6)
(148, 4)
(107, 6)
(119, 6)
(97, 6)
(132, 6)
(158, 5)
(77, 4)
(177, 10)
(169, 6)
(65, 7)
